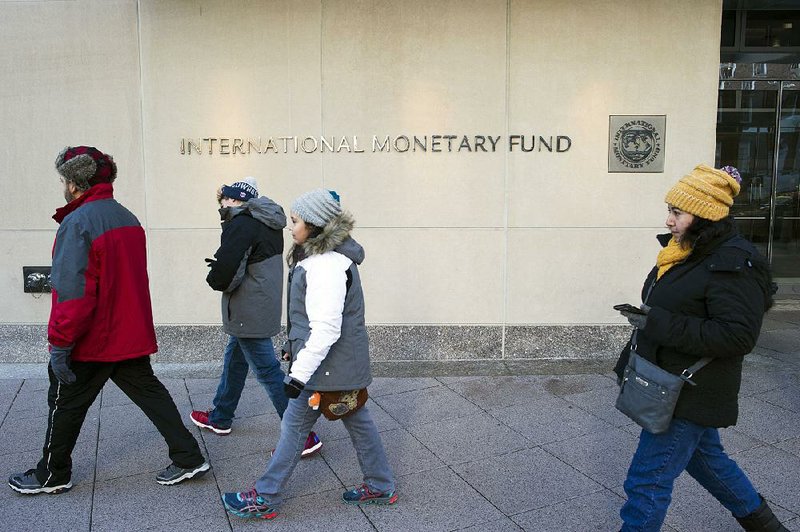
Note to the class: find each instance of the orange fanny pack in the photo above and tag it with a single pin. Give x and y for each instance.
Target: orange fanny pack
(336, 405)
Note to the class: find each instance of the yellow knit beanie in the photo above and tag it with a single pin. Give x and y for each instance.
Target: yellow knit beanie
(705, 192)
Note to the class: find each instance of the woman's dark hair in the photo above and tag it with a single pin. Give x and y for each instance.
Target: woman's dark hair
(298, 253)
(703, 233)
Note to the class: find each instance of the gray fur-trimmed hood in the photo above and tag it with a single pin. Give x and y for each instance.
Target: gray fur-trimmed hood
(336, 237)
(262, 209)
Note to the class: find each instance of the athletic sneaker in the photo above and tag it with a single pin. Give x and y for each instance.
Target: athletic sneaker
(200, 419)
(364, 495)
(28, 484)
(174, 474)
(313, 445)
(248, 504)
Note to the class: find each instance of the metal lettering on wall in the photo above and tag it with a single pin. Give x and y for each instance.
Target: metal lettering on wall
(375, 144)
(636, 143)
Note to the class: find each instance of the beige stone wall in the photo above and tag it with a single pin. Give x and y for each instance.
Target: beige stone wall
(451, 238)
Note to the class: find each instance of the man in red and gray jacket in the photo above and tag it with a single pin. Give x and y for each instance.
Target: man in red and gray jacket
(101, 325)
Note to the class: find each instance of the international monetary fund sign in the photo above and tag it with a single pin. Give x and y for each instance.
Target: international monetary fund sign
(636, 143)
(374, 144)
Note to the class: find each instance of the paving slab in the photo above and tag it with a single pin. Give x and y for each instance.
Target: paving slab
(147, 452)
(549, 419)
(498, 392)
(257, 434)
(10, 388)
(594, 511)
(787, 397)
(791, 446)
(602, 456)
(29, 405)
(215, 522)
(390, 386)
(503, 525)
(467, 439)
(405, 453)
(735, 441)
(425, 406)
(562, 385)
(433, 500)
(784, 340)
(775, 473)
(35, 385)
(119, 503)
(69, 511)
(540, 480)
(767, 422)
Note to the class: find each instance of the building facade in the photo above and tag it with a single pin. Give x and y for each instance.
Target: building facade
(474, 141)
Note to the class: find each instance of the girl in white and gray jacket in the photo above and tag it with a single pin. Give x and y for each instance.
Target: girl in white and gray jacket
(329, 350)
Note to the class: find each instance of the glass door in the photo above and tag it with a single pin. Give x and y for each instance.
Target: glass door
(746, 134)
(786, 203)
(758, 132)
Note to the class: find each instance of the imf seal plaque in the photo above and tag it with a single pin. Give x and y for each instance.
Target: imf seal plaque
(636, 143)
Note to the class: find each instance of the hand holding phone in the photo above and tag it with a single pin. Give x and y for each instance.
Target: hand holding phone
(627, 307)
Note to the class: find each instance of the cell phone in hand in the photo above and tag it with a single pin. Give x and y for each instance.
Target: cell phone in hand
(627, 307)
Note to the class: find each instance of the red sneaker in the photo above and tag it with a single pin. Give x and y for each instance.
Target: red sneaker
(200, 419)
(313, 445)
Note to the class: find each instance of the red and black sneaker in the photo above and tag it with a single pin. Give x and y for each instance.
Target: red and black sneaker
(312, 446)
(364, 495)
(200, 419)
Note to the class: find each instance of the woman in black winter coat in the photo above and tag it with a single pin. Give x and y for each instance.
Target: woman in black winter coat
(706, 297)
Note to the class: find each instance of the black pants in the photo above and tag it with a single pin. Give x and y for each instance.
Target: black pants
(70, 402)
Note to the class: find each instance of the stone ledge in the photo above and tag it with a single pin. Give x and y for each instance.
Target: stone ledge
(447, 343)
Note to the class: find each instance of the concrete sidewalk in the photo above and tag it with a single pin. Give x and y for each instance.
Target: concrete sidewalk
(489, 454)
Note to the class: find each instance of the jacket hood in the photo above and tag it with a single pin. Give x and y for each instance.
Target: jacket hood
(336, 237)
(262, 209)
(267, 212)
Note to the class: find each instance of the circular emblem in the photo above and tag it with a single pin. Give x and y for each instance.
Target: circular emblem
(636, 144)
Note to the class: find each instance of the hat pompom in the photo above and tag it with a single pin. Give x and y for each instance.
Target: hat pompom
(733, 172)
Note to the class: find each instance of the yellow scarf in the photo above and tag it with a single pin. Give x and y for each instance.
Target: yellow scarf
(670, 256)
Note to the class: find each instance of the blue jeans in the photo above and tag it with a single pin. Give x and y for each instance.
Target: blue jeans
(660, 458)
(241, 353)
(298, 420)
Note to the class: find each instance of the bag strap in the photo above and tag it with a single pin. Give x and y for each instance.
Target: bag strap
(689, 372)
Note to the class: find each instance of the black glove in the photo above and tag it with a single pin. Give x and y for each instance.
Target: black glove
(59, 361)
(209, 262)
(637, 320)
(292, 387)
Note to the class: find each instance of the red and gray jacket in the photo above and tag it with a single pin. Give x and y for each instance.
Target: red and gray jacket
(101, 295)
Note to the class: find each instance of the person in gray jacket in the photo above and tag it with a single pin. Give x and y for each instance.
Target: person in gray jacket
(329, 349)
(248, 270)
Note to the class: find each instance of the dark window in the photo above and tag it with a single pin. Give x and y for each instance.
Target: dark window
(772, 29)
(728, 29)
